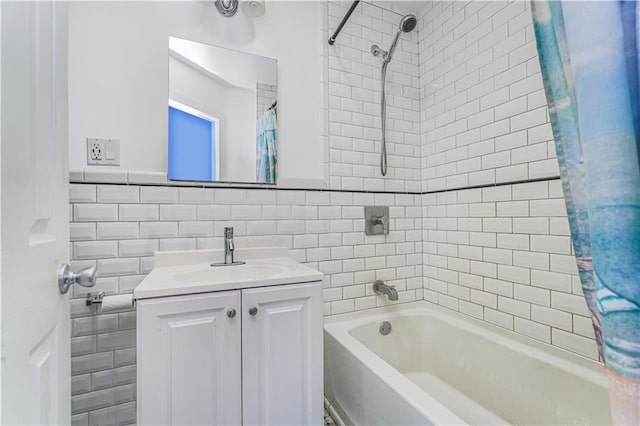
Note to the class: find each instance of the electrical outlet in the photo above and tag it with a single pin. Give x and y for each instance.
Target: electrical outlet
(103, 152)
(96, 150)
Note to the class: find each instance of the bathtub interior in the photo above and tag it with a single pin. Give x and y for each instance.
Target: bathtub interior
(360, 397)
(485, 377)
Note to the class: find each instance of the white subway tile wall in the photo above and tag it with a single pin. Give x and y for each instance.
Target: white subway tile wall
(492, 253)
(322, 229)
(354, 102)
(267, 95)
(483, 110)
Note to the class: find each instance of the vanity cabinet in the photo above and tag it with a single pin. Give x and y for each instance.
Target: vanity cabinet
(248, 356)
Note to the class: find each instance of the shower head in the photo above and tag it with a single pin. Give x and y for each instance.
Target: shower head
(408, 23)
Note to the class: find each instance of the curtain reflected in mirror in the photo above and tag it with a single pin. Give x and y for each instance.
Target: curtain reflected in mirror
(266, 141)
(222, 115)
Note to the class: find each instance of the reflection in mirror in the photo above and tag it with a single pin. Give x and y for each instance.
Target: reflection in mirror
(222, 114)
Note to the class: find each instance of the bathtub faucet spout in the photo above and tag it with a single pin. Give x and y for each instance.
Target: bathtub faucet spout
(379, 287)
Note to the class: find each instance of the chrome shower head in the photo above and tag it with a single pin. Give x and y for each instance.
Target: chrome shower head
(408, 23)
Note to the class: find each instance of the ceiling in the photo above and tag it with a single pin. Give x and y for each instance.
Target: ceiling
(413, 6)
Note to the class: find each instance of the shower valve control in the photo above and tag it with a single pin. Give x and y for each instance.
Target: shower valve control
(376, 220)
(103, 152)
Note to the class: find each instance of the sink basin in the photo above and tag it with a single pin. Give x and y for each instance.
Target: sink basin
(190, 272)
(231, 273)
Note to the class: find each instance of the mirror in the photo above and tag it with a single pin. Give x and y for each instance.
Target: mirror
(222, 113)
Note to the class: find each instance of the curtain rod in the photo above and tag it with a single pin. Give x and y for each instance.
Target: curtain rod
(332, 39)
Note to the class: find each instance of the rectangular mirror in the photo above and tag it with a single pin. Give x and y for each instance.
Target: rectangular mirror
(222, 113)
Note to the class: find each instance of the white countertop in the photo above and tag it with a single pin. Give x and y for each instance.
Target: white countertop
(190, 272)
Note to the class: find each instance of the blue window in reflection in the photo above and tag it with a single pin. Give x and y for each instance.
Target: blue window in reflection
(192, 142)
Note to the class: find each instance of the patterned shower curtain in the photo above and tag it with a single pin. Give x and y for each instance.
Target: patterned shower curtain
(266, 147)
(588, 55)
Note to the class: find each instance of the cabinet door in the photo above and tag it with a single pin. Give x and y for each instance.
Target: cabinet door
(189, 360)
(282, 355)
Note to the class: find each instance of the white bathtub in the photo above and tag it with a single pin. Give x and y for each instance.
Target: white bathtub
(439, 367)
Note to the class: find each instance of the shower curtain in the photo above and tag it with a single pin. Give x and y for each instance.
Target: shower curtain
(266, 147)
(589, 60)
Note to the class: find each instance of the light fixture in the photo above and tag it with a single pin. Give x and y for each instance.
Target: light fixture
(227, 8)
(253, 8)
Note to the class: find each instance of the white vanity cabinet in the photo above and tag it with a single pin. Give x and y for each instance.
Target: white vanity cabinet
(249, 356)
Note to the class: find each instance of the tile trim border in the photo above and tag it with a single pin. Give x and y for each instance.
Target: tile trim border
(276, 188)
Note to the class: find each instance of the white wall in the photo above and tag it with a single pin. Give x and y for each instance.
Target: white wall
(196, 89)
(238, 68)
(118, 69)
(484, 111)
(238, 151)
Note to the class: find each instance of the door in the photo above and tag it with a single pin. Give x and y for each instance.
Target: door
(282, 355)
(34, 181)
(189, 360)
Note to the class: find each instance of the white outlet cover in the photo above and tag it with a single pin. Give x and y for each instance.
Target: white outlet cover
(103, 152)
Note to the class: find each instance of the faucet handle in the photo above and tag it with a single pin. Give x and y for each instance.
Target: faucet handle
(384, 221)
(228, 232)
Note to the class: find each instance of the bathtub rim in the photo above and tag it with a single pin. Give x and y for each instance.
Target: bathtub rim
(339, 328)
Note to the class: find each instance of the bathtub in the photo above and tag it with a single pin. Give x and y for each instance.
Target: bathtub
(440, 367)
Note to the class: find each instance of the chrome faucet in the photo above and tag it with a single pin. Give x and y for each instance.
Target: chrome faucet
(229, 245)
(379, 287)
(229, 249)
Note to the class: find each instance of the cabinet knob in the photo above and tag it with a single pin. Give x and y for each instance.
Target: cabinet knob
(231, 313)
(253, 310)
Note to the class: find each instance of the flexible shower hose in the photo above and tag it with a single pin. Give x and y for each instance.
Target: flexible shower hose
(383, 117)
